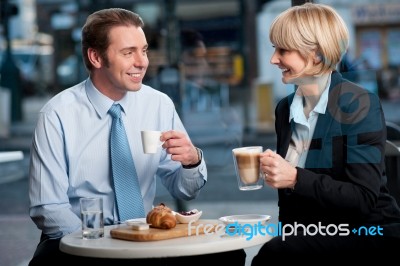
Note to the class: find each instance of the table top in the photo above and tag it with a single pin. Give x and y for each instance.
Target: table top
(8, 156)
(108, 247)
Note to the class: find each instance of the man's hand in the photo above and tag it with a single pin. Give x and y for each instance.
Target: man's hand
(180, 147)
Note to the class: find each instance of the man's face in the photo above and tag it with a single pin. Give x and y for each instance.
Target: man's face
(126, 61)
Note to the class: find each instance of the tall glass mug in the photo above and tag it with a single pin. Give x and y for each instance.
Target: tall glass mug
(247, 167)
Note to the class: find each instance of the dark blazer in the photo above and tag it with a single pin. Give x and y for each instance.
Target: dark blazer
(344, 176)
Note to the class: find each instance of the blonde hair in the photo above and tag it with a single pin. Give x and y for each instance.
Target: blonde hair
(312, 28)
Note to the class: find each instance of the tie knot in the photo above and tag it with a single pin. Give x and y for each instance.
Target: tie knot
(115, 111)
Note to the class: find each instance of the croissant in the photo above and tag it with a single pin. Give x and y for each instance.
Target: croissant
(161, 217)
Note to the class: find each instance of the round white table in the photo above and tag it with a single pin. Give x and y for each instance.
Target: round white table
(108, 247)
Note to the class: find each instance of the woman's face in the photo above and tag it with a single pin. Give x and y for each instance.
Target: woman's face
(290, 62)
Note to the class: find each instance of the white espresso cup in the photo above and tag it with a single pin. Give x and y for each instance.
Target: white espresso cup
(151, 141)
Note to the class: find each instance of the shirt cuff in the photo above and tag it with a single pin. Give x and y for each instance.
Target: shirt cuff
(200, 156)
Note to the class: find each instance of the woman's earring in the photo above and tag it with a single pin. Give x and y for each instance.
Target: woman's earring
(318, 59)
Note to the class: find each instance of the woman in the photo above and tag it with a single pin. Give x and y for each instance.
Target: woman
(329, 164)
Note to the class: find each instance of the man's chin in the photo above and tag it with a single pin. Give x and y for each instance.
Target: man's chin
(137, 87)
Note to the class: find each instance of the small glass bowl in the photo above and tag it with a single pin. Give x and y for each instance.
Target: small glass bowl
(190, 216)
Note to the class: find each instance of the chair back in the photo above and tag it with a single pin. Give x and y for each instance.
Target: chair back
(392, 159)
(393, 131)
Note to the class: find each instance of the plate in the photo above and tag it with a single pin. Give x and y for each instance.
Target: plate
(245, 219)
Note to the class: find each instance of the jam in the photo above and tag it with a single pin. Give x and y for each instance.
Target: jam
(188, 212)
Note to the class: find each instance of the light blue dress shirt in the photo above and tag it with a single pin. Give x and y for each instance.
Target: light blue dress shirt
(70, 155)
(304, 127)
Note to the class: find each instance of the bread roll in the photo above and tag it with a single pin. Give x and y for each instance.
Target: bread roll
(161, 217)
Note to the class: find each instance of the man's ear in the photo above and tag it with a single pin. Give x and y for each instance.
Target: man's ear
(94, 58)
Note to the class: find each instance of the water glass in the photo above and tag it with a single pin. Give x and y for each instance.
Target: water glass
(92, 218)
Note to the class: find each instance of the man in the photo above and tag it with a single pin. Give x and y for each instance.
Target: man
(70, 155)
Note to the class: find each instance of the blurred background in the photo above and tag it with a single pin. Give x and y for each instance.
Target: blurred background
(210, 56)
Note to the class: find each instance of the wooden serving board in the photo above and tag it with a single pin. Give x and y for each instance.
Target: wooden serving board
(126, 232)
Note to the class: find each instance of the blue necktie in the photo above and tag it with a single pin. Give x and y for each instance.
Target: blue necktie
(126, 184)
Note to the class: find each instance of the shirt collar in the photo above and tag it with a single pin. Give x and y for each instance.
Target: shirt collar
(296, 108)
(102, 103)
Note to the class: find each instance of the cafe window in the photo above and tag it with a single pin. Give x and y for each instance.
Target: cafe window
(378, 59)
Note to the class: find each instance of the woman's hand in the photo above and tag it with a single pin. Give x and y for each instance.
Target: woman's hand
(278, 173)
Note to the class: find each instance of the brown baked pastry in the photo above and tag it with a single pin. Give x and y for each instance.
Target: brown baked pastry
(161, 217)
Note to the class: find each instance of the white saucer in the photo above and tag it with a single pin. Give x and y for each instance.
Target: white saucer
(245, 219)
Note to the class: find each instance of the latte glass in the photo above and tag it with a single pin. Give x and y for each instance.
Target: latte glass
(247, 167)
